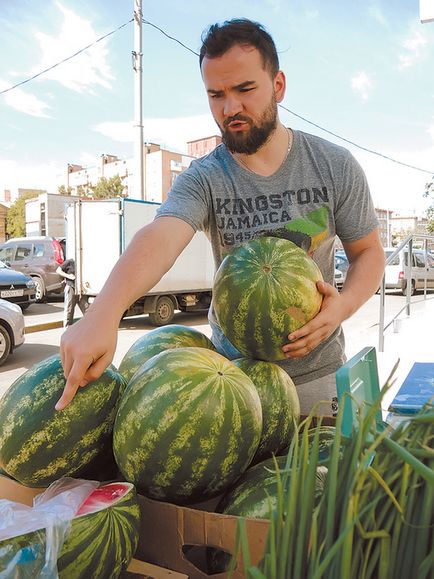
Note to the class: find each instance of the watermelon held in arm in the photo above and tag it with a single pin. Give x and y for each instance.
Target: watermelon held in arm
(38, 444)
(264, 290)
(100, 544)
(188, 425)
(159, 340)
(279, 401)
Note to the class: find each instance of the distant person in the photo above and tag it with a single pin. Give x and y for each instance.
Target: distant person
(67, 271)
(264, 179)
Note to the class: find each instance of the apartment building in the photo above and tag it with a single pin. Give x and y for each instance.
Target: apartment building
(161, 167)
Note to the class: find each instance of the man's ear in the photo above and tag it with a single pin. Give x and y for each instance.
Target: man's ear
(279, 83)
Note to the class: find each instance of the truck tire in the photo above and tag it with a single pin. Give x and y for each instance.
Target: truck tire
(164, 312)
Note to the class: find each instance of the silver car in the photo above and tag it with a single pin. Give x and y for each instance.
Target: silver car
(11, 329)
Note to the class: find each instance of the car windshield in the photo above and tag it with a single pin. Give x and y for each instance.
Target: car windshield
(2, 265)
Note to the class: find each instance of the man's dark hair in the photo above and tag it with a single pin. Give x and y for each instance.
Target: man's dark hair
(219, 38)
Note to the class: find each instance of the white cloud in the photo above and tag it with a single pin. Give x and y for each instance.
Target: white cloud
(170, 133)
(430, 131)
(24, 102)
(83, 72)
(362, 85)
(15, 174)
(413, 47)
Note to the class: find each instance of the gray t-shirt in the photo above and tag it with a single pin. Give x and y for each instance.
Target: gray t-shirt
(319, 191)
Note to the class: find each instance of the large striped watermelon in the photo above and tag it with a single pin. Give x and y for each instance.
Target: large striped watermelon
(279, 401)
(38, 444)
(158, 340)
(188, 425)
(101, 542)
(264, 290)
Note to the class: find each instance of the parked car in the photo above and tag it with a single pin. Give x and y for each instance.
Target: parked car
(338, 279)
(422, 266)
(38, 257)
(16, 287)
(11, 329)
(341, 267)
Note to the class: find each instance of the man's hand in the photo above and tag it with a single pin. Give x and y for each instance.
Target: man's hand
(84, 358)
(309, 336)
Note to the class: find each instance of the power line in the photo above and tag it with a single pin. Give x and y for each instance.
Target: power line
(168, 36)
(65, 59)
(355, 144)
(303, 118)
(147, 22)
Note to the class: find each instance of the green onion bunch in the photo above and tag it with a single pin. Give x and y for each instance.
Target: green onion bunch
(375, 518)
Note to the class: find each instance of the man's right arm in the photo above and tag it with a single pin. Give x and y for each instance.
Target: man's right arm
(88, 346)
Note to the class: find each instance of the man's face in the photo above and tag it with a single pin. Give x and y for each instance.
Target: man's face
(243, 97)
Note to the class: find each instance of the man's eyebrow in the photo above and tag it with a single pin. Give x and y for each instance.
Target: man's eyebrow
(242, 85)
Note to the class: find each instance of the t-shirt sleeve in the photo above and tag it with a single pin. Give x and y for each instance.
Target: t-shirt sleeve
(355, 215)
(188, 200)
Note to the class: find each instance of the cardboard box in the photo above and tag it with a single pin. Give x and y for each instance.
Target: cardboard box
(141, 570)
(177, 537)
(169, 530)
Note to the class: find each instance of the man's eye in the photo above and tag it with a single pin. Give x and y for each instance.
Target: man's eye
(246, 89)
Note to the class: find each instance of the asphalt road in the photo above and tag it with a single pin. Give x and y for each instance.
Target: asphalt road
(361, 330)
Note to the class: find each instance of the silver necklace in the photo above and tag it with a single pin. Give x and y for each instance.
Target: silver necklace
(290, 142)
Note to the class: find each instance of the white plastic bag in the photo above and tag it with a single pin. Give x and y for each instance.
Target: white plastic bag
(31, 537)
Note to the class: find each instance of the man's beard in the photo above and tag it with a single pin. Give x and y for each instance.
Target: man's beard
(257, 136)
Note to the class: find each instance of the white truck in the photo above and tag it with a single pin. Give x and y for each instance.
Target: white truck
(98, 231)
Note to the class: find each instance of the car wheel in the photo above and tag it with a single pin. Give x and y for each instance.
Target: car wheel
(164, 312)
(412, 289)
(39, 289)
(5, 344)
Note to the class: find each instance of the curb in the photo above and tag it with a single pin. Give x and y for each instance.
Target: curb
(43, 326)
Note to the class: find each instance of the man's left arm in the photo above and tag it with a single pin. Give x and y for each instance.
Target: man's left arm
(366, 258)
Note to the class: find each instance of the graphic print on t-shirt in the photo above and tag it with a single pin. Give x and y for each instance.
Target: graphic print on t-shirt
(239, 220)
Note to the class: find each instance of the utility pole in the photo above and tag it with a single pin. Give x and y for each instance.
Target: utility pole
(139, 189)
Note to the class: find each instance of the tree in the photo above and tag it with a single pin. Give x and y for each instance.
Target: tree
(62, 190)
(108, 188)
(16, 215)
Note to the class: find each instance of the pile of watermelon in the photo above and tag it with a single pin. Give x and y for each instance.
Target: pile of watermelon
(179, 421)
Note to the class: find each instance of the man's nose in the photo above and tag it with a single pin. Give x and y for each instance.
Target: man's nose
(232, 106)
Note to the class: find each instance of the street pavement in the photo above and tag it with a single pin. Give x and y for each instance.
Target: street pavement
(412, 343)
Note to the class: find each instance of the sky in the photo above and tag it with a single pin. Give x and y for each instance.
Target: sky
(359, 74)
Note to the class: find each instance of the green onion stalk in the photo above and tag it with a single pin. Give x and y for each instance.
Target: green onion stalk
(375, 518)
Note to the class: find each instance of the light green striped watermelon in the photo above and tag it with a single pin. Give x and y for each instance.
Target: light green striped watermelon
(100, 545)
(326, 438)
(188, 425)
(159, 340)
(279, 401)
(38, 445)
(264, 290)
